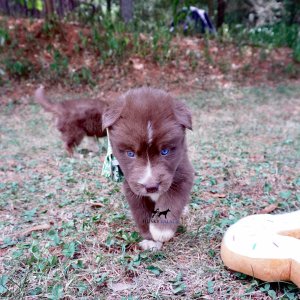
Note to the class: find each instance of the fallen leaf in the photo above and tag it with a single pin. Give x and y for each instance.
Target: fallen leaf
(268, 209)
(143, 37)
(117, 287)
(96, 204)
(218, 195)
(137, 65)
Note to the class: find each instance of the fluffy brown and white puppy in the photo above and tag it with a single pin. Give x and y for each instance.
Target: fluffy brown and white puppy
(75, 118)
(147, 133)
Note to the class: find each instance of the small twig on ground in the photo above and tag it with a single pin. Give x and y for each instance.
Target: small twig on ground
(28, 231)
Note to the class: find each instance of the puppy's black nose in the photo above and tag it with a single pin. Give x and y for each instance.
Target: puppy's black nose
(151, 188)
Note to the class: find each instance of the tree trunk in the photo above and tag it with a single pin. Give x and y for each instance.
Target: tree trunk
(49, 8)
(61, 8)
(72, 5)
(221, 12)
(126, 7)
(210, 5)
(4, 7)
(108, 6)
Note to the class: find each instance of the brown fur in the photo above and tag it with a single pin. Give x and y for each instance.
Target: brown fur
(75, 118)
(145, 121)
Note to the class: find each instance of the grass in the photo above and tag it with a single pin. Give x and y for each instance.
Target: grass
(245, 149)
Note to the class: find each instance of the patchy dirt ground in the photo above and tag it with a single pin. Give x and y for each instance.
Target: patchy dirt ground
(69, 57)
(66, 232)
(55, 243)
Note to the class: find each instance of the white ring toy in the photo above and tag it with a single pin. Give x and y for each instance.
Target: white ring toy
(265, 246)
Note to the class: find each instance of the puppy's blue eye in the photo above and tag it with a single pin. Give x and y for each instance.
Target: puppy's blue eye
(164, 152)
(130, 154)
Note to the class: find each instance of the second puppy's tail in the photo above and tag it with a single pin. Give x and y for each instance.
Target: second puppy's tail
(40, 97)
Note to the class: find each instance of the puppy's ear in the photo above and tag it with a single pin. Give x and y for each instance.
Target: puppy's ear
(183, 114)
(112, 113)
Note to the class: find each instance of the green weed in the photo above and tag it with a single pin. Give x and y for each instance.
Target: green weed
(244, 149)
(4, 37)
(270, 36)
(18, 67)
(82, 76)
(59, 66)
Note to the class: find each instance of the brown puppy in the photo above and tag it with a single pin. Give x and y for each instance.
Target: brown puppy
(75, 118)
(147, 133)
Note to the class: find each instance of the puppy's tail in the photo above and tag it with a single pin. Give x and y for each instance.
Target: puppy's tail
(40, 97)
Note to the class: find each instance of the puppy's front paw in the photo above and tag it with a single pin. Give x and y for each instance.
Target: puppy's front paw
(78, 156)
(160, 234)
(186, 211)
(150, 245)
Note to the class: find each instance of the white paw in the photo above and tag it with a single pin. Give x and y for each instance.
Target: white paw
(77, 155)
(150, 245)
(160, 235)
(185, 211)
